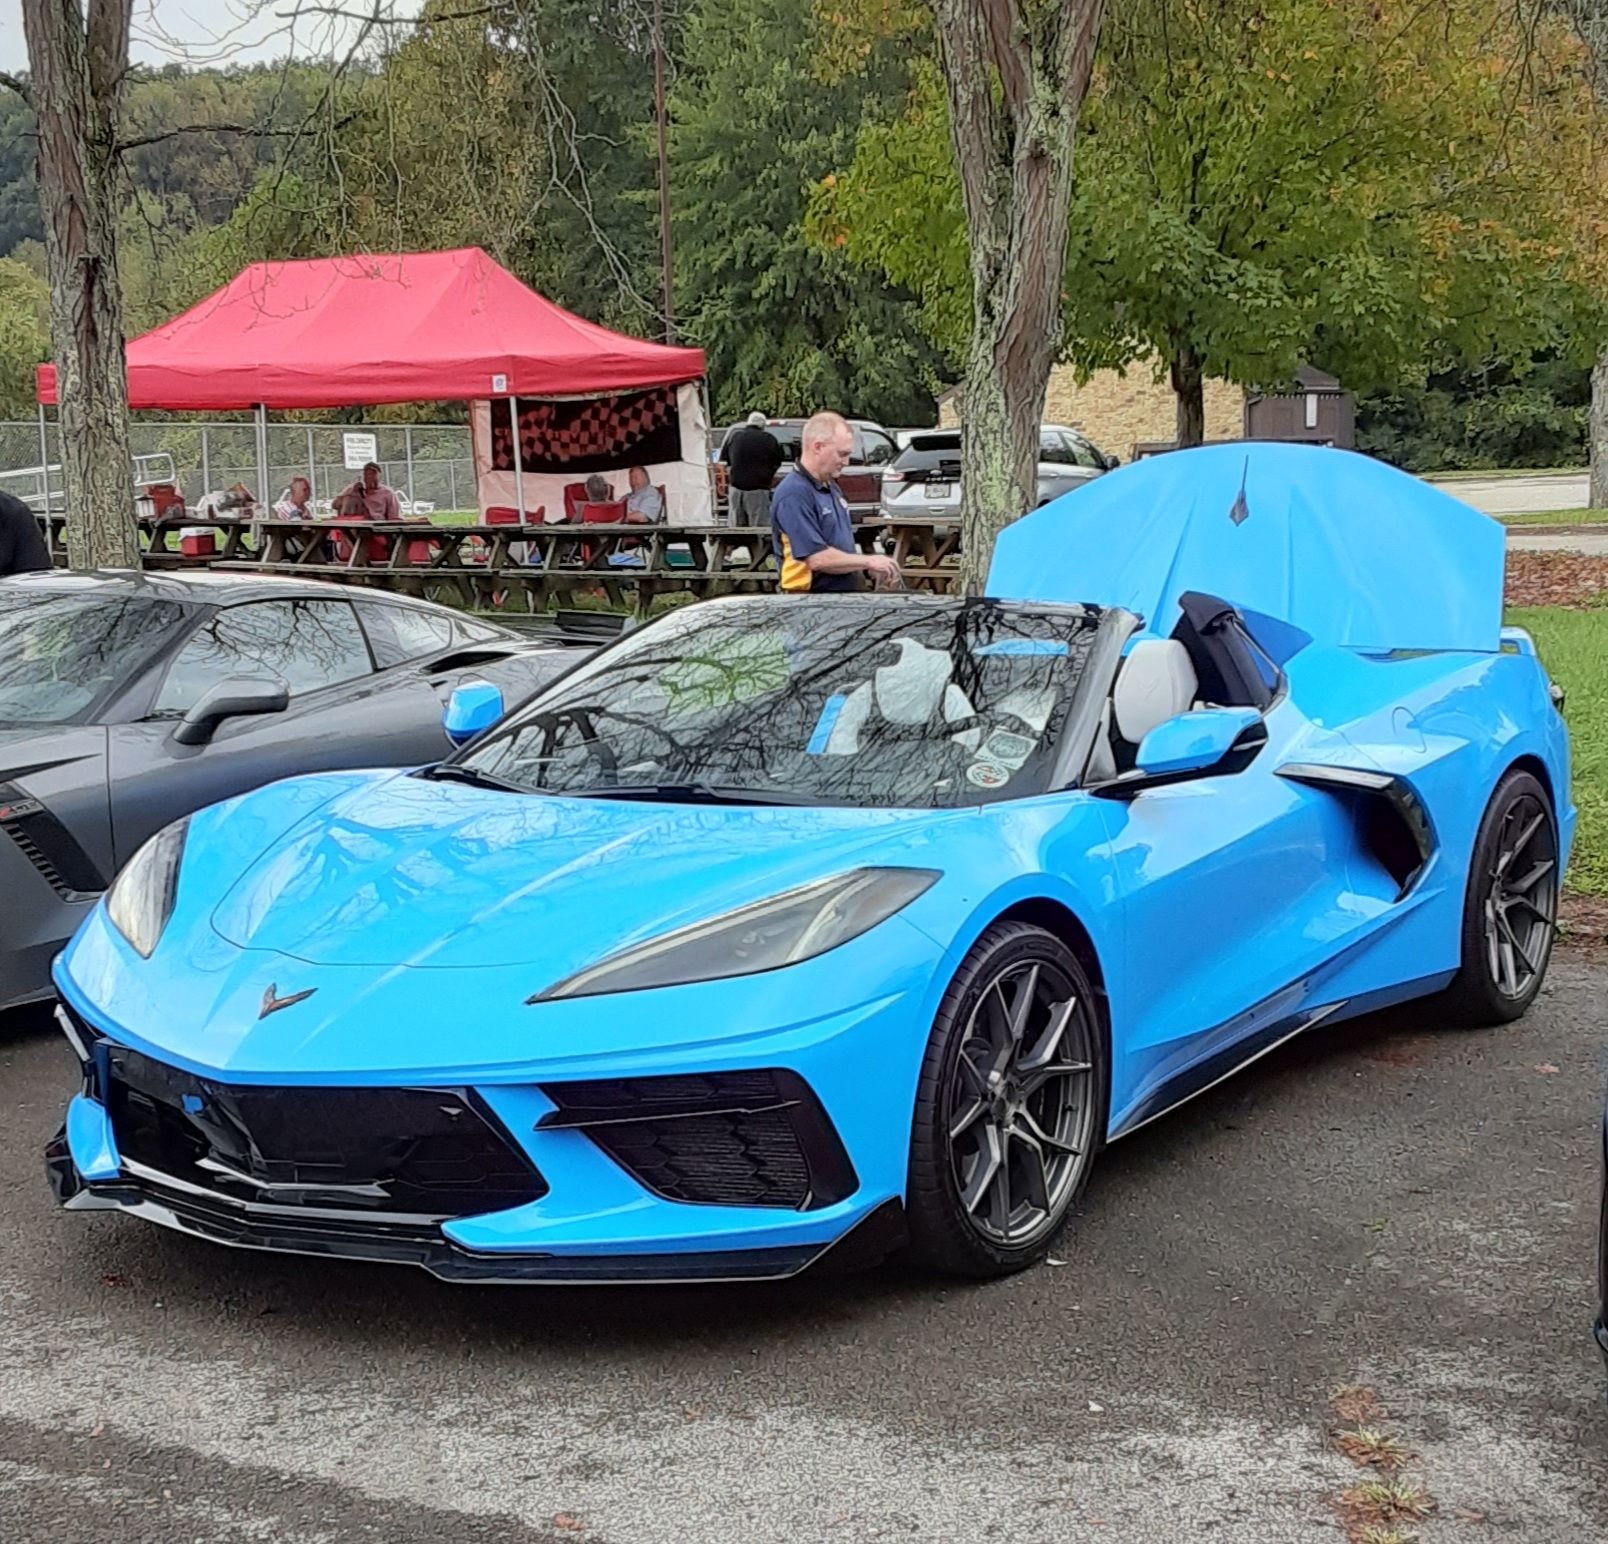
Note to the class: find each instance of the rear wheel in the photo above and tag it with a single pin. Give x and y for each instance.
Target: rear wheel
(1510, 910)
(1010, 1109)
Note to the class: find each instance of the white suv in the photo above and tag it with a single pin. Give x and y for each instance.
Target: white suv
(923, 483)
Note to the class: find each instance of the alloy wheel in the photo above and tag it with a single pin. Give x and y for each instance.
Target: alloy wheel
(1521, 898)
(1021, 1104)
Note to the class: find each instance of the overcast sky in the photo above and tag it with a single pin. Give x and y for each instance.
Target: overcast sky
(217, 31)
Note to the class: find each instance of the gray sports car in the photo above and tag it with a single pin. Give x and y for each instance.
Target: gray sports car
(127, 700)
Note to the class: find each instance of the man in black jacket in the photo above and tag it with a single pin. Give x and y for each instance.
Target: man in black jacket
(22, 546)
(753, 456)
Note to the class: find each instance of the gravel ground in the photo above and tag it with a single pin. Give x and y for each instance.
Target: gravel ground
(1388, 1226)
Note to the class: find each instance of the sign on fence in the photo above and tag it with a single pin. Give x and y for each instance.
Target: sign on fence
(359, 450)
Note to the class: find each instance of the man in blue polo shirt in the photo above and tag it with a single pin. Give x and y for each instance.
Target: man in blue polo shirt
(810, 529)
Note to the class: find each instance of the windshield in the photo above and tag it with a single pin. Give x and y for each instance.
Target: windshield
(869, 701)
(64, 654)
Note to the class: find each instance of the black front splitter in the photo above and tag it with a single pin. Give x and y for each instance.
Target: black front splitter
(240, 1226)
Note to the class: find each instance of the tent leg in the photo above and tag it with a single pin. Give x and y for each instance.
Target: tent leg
(407, 450)
(519, 460)
(312, 472)
(262, 489)
(44, 462)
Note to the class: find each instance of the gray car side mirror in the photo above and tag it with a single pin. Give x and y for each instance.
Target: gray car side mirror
(229, 698)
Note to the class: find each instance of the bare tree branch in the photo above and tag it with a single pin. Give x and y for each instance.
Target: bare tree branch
(255, 130)
(19, 86)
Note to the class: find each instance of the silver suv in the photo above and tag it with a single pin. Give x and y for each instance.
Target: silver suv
(923, 483)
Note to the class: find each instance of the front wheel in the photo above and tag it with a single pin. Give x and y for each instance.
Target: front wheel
(1510, 909)
(1010, 1108)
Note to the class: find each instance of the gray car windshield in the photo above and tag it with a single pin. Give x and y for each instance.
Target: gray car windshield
(63, 654)
(866, 701)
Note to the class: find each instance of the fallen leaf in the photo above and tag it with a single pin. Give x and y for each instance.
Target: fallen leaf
(1467, 1515)
(564, 1520)
(114, 1279)
(1097, 1409)
(1546, 1068)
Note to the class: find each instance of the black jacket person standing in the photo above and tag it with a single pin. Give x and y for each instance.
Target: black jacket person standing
(22, 546)
(753, 456)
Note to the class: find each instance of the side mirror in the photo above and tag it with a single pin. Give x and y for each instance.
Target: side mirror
(1112, 463)
(1188, 746)
(232, 697)
(474, 706)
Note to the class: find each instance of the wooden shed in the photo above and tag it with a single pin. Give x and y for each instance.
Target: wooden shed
(1319, 411)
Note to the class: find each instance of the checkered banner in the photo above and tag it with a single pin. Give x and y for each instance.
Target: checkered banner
(637, 426)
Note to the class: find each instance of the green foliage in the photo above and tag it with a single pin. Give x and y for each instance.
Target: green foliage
(19, 202)
(1259, 186)
(24, 336)
(1484, 419)
(791, 324)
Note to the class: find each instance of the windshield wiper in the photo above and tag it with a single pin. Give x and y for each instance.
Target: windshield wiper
(459, 772)
(689, 793)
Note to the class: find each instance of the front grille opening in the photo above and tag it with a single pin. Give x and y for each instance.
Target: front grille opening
(756, 1138)
(435, 1153)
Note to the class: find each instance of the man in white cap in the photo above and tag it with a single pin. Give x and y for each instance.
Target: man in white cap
(753, 456)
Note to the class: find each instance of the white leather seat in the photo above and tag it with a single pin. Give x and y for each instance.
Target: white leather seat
(1156, 682)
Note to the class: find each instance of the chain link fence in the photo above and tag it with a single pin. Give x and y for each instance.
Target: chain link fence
(429, 465)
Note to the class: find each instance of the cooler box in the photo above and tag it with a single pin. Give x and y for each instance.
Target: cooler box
(198, 541)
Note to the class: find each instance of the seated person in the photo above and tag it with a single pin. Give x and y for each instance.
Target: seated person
(379, 501)
(643, 504)
(598, 490)
(296, 502)
(236, 499)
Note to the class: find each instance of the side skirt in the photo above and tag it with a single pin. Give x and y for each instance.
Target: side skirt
(1196, 1080)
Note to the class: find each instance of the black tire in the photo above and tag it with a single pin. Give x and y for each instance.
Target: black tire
(1052, 1078)
(1510, 907)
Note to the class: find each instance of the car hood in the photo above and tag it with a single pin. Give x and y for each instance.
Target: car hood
(27, 752)
(431, 874)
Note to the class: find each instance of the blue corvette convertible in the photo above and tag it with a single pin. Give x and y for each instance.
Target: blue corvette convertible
(792, 927)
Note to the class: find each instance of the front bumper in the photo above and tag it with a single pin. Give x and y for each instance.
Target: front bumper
(240, 1225)
(759, 1160)
(36, 920)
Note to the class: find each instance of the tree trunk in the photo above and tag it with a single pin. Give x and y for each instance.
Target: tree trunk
(1016, 73)
(77, 70)
(1597, 432)
(1189, 391)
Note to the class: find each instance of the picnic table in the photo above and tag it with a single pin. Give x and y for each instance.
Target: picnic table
(488, 565)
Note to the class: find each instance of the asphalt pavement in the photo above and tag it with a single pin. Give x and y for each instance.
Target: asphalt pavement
(1387, 1228)
(1517, 495)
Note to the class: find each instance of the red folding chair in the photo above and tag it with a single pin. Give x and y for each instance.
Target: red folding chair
(612, 513)
(574, 498)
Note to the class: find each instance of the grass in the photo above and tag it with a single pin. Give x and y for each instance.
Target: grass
(1557, 517)
(1574, 648)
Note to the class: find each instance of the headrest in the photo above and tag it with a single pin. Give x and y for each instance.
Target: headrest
(1156, 682)
(910, 690)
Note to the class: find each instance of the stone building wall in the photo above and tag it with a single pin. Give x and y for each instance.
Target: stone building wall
(1118, 411)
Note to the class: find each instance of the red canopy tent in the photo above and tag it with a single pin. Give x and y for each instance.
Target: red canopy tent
(358, 331)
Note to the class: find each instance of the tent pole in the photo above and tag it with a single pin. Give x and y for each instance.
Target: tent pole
(519, 460)
(206, 463)
(262, 453)
(312, 473)
(44, 462)
(407, 450)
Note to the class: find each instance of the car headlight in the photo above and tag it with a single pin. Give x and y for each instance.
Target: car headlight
(141, 898)
(796, 925)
